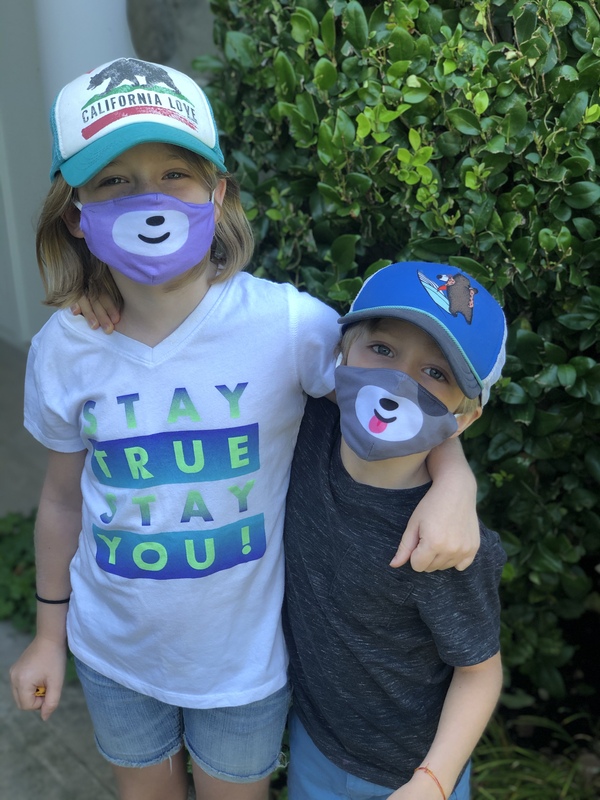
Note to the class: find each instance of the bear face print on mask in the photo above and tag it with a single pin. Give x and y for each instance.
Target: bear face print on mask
(149, 238)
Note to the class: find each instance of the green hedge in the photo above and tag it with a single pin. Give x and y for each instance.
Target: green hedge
(461, 132)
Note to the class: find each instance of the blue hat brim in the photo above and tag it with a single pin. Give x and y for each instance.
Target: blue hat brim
(450, 347)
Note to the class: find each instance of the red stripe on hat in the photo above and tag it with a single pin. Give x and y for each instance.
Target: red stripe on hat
(103, 122)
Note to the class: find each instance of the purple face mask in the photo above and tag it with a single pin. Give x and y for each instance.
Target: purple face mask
(150, 238)
(386, 414)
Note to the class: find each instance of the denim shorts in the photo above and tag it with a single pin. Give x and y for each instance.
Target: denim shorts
(241, 744)
(312, 776)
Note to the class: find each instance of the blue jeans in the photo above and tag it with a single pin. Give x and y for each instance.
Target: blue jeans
(241, 744)
(312, 776)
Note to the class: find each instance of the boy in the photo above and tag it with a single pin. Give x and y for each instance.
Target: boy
(395, 673)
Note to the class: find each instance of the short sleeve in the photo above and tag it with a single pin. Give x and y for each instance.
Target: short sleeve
(316, 334)
(462, 609)
(47, 415)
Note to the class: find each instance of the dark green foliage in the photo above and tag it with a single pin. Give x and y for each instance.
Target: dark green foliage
(461, 132)
(504, 770)
(17, 571)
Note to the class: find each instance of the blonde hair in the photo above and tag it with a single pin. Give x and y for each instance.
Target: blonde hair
(369, 326)
(69, 270)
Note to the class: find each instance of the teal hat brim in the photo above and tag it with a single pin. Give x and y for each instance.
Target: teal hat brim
(81, 167)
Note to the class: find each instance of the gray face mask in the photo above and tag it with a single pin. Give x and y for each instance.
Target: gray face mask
(386, 414)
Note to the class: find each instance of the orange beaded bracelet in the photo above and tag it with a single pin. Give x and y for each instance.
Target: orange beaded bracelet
(433, 776)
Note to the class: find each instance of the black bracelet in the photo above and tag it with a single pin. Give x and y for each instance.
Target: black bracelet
(51, 602)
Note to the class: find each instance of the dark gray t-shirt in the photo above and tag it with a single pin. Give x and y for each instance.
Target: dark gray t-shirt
(372, 648)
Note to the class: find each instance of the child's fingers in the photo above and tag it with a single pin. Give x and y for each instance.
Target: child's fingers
(84, 307)
(45, 699)
(103, 317)
(27, 698)
(101, 313)
(466, 562)
(410, 540)
(49, 704)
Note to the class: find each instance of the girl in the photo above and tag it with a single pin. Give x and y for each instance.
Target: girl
(160, 521)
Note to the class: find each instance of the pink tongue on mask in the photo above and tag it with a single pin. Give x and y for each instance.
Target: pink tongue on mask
(376, 425)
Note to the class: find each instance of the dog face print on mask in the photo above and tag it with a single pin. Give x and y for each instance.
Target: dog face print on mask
(384, 413)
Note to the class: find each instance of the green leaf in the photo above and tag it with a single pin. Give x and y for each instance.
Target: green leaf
(402, 45)
(363, 124)
(431, 21)
(561, 14)
(547, 239)
(285, 76)
(577, 166)
(545, 423)
(328, 30)
(526, 23)
(344, 131)
(567, 375)
(397, 70)
(343, 251)
(414, 138)
(480, 102)
(241, 49)
(577, 322)
(376, 266)
(513, 394)
(592, 462)
(304, 26)
(582, 194)
(592, 23)
(573, 112)
(449, 143)
(359, 182)
(464, 121)
(523, 196)
(515, 121)
(503, 445)
(529, 346)
(325, 148)
(306, 108)
(416, 90)
(355, 25)
(325, 74)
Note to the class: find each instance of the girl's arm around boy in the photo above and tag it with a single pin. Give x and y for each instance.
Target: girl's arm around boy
(429, 545)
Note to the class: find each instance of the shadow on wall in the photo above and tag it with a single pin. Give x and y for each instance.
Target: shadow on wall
(172, 32)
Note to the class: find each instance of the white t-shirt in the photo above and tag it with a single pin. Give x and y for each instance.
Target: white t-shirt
(178, 578)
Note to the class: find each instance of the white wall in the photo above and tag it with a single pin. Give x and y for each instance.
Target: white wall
(24, 149)
(43, 45)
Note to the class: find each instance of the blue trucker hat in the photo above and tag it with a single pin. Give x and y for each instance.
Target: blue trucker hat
(464, 319)
(124, 103)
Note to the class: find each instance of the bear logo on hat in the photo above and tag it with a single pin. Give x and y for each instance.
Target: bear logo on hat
(459, 297)
(130, 69)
